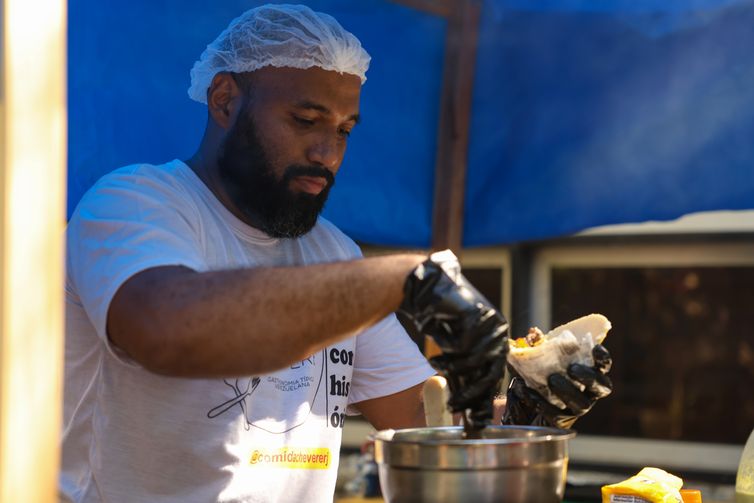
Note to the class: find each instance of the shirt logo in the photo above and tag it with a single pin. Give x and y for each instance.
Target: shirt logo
(278, 403)
(303, 458)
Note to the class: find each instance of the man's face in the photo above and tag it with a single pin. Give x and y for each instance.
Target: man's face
(279, 159)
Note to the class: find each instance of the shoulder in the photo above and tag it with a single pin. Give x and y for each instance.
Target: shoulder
(143, 176)
(137, 184)
(327, 234)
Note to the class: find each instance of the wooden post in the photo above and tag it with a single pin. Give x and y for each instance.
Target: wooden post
(453, 130)
(32, 221)
(442, 8)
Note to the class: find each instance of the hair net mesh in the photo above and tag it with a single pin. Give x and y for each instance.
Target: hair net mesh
(281, 36)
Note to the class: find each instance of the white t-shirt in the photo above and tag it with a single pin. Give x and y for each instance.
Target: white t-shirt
(134, 436)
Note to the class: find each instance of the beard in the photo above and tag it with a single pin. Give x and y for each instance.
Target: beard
(265, 200)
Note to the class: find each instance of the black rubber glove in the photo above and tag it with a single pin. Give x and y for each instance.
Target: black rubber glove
(470, 332)
(527, 407)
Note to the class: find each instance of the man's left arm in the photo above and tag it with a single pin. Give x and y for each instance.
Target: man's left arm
(404, 409)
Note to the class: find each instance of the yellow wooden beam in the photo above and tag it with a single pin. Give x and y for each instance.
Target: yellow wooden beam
(32, 220)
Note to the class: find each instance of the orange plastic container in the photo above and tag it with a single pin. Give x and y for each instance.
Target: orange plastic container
(691, 495)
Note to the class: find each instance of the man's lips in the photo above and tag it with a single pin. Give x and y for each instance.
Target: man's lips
(309, 184)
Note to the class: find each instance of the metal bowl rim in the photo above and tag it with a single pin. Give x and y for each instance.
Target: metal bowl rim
(552, 434)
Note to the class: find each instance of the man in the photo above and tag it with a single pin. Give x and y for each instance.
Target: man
(218, 331)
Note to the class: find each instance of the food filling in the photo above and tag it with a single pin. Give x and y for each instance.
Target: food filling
(535, 337)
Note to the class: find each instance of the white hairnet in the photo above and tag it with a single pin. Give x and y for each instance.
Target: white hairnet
(282, 36)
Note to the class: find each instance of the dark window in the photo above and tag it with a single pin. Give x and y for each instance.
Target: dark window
(489, 281)
(683, 347)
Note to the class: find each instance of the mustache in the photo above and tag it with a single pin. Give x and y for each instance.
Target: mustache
(292, 172)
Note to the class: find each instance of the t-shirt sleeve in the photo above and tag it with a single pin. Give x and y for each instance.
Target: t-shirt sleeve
(126, 224)
(386, 361)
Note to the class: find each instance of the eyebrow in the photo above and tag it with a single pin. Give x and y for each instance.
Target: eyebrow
(310, 105)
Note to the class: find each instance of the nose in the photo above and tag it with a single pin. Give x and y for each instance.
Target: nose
(326, 151)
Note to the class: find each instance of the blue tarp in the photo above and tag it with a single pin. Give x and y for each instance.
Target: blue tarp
(584, 112)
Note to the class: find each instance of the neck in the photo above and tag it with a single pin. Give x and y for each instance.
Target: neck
(205, 166)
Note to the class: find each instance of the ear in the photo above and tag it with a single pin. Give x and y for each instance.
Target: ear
(224, 100)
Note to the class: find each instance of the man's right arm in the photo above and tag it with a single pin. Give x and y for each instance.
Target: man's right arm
(175, 321)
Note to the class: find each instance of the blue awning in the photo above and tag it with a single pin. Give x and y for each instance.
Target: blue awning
(583, 113)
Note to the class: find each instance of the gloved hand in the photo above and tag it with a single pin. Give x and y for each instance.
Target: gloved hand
(527, 407)
(470, 332)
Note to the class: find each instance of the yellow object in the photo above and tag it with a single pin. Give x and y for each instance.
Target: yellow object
(519, 343)
(436, 395)
(745, 476)
(650, 485)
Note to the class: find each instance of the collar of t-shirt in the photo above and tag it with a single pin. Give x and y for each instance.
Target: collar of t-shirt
(244, 230)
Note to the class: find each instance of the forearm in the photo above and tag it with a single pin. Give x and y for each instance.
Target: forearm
(250, 321)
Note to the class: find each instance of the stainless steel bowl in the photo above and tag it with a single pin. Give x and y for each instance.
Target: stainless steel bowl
(509, 464)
